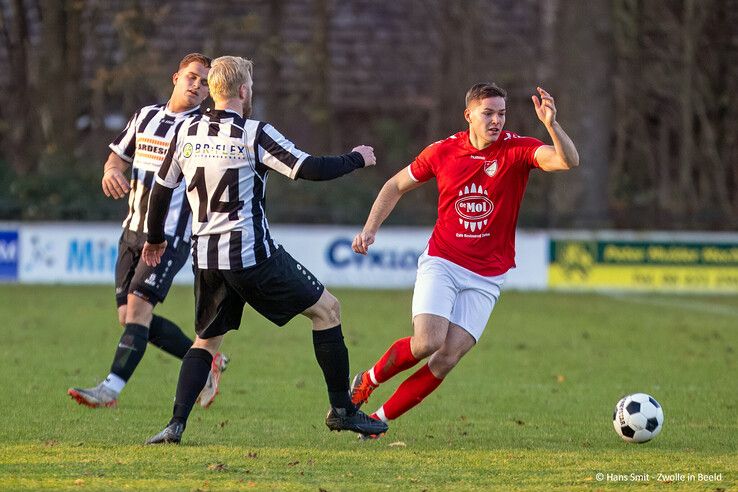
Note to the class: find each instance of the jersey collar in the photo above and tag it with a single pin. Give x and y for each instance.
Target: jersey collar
(183, 113)
(221, 113)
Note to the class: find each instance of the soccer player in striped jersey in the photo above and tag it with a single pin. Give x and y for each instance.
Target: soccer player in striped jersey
(138, 287)
(224, 158)
(481, 174)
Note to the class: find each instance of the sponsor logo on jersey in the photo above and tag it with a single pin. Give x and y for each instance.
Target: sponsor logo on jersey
(224, 151)
(154, 149)
(151, 280)
(473, 207)
(490, 168)
(187, 151)
(151, 148)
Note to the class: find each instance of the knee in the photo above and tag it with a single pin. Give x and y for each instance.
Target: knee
(327, 312)
(443, 362)
(422, 347)
(334, 308)
(210, 344)
(122, 315)
(138, 311)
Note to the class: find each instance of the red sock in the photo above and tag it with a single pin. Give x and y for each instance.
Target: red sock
(397, 358)
(410, 393)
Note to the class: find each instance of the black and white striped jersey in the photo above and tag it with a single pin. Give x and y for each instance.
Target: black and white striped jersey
(144, 143)
(224, 159)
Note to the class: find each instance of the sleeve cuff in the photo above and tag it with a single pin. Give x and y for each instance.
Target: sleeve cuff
(154, 238)
(297, 166)
(117, 151)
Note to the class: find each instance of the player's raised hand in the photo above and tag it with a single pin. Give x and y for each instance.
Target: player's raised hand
(151, 253)
(545, 107)
(362, 241)
(367, 153)
(115, 184)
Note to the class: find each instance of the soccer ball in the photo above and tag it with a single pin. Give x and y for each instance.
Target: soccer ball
(638, 418)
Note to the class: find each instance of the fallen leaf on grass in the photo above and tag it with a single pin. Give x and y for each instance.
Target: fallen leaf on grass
(397, 444)
(217, 466)
(293, 463)
(79, 481)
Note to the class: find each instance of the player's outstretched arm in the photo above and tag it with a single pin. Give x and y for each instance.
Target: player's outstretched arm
(114, 182)
(388, 196)
(563, 154)
(331, 167)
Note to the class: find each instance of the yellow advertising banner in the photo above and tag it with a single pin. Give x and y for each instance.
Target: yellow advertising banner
(638, 265)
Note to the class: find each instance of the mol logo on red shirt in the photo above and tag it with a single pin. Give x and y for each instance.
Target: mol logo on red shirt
(473, 207)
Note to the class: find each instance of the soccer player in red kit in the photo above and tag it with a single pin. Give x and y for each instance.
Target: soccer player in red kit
(481, 175)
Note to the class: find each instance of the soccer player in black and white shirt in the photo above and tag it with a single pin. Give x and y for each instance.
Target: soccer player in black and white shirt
(224, 158)
(138, 287)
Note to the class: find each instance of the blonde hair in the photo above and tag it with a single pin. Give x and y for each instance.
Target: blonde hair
(227, 74)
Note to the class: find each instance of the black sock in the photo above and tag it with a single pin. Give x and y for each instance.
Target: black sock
(192, 378)
(333, 358)
(168, 337)
(130, 350)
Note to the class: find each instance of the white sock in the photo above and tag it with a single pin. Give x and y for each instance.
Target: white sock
(373, 377)
(114, 383)
(381, 416)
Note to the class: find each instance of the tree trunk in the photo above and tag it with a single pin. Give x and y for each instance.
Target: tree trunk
(20, 127)
(584, 50)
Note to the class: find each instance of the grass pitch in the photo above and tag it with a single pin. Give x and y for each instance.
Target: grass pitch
(528, 408)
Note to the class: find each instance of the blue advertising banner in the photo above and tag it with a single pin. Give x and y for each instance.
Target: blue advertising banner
(8, 255)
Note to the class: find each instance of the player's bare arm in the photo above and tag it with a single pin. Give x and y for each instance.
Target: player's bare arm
(389, 195)
(114, 182)
(562, 155)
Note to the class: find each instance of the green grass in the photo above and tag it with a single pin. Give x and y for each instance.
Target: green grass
(529, 408)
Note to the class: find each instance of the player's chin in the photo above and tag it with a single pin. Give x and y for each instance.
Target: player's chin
(192, 97)
(493, 135)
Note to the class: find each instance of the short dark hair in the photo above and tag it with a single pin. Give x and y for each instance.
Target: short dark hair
(484, 91)
(195, 57)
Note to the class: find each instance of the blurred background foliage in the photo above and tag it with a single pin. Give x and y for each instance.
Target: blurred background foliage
(643, 87)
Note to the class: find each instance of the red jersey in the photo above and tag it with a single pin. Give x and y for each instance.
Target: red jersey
(479, 196)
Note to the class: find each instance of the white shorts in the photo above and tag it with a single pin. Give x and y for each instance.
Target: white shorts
(461, 296)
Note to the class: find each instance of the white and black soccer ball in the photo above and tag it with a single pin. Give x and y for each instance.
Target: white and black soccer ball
(638, 418)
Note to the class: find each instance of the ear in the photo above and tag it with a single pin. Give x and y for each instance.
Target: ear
(467, 115)
(175, 76)
(243, 91)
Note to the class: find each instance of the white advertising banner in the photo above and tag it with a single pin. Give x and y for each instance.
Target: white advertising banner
(326, 250)
(68, 252)
(393, 259)
(84, 253)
